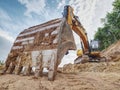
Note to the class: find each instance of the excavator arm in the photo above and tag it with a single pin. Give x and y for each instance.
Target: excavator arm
(90, 51)
(77, 27)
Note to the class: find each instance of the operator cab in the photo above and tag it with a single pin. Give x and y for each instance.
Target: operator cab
(94, 45)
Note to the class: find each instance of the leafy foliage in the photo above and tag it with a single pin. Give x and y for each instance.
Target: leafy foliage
(110, 32)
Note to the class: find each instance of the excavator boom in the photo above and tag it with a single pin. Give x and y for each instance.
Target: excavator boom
(76, 26)
(89, 51)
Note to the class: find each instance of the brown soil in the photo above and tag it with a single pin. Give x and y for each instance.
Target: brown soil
(92, 67)
(64, 81)
(112, 53)
(88, 76)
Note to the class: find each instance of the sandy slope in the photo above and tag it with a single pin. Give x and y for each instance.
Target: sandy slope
(70, 81)
(112, 53)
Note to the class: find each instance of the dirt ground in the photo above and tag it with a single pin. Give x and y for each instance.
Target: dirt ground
(88, 76)
(64, 81)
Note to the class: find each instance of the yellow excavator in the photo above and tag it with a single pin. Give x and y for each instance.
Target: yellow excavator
(44, 45)
(89, 51)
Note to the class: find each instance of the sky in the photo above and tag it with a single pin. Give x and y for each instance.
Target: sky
(17, 15)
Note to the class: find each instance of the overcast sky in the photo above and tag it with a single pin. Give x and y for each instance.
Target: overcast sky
(16, 15)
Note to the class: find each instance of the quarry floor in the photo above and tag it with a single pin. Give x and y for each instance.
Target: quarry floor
(63, 81)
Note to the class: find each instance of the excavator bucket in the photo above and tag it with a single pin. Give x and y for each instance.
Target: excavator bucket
(41, 46)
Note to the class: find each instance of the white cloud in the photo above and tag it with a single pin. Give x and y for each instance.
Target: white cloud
(6, 39)
(85, 9)
(4, 15)
(33, 6)
(90, 12)
(6, 35)
(40, 9)
(5, 19)
(5, 46)
(61, 4)
(10, 28)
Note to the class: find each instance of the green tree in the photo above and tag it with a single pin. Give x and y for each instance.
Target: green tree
(110, 32)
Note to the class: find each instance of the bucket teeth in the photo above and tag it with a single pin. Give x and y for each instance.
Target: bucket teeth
(52, 39)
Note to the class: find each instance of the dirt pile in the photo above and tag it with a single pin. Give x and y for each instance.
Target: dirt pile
(92, 67)
(78, 81)
(112, 53)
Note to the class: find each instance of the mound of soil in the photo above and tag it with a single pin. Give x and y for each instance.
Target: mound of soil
(92, 67)
(112, 53)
